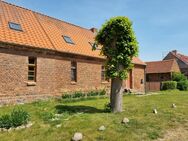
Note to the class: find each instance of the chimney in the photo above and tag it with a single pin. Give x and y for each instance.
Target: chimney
(94, 30)
(175, 51)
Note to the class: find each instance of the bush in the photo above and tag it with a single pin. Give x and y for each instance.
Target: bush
(169, 85)
(15, 119)
(78, 95)
(19, 117)
(178, 76)
(65, 96)
(102, 92)
(107, 107)
(83, 95)
(182, 85)
(5, 122)
(92, 93)
(47, 116)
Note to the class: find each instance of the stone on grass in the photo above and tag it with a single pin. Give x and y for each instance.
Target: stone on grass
(155, 111)
(125, 120)
(4, 129)
(10, 129)
(28, 125)
(173, 105)
(102, 128)
(77, 137)
(58, 115)
(58, 126)
(54, 119)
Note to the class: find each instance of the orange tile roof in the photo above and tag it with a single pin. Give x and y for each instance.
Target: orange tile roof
(162, 66)
(137, 60)
(42, 31)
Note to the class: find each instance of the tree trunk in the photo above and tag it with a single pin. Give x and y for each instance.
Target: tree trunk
(116, 95)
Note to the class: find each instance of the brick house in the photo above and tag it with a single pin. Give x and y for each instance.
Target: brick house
(41, 56)
(159, 71)
(181, 59)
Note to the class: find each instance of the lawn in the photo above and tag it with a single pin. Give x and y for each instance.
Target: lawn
(87, 116)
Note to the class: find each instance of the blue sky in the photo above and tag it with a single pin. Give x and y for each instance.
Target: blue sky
(160, 25)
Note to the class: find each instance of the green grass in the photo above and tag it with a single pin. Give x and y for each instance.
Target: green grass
(88, 115)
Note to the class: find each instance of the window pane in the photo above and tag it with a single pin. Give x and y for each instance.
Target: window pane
(68, 39)
(15, 26)
(31, 78)
(31, 60)
(73, 74)
(31, 68)
(31, 73)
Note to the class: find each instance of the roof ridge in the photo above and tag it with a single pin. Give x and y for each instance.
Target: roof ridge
(179, 57)
(45, 15)
(161, 61)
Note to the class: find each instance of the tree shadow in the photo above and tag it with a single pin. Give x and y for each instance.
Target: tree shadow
(77, 109)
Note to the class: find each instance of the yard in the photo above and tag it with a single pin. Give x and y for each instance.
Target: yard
(87, 116)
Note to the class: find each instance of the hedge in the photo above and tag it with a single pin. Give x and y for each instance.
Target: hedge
(169, 85)
(183, 85)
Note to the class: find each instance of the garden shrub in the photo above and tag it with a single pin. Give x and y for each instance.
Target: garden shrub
(92, 93)
(80, 94)
(5, 121)
(107, 107)
(182, 85)
(47, 116)
(181, 79)
(66, 95)
(17, 118)
(178, 76)
(102, 92)
(169, 85)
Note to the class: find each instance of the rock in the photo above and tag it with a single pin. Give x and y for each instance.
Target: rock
(58, 115)
(54, 119)
(28, 125)
(10, 129)
(77, 137)
(58, 126)
(102, 128)
(155, 111)
(173, 105)
(22, 127)
(125, 120)
(4, 130)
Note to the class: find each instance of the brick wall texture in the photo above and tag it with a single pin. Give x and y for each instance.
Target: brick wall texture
(53, 76)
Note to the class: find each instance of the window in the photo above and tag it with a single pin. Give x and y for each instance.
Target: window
(103, 75)
(15, 26)
(32, 69)
(73, 71)
(147, 78)
(68, 40)
(142, 81)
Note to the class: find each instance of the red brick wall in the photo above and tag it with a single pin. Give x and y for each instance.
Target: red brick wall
(138, 75)
(134, 83)
(53, 75)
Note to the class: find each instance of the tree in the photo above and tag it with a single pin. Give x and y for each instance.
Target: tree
(119, 45)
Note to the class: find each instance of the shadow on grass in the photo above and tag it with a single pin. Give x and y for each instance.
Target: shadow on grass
(77, 109)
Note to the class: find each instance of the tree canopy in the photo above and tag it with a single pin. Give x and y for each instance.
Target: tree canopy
(119, 45)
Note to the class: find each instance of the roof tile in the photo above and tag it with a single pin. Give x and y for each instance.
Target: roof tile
(42, 31)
